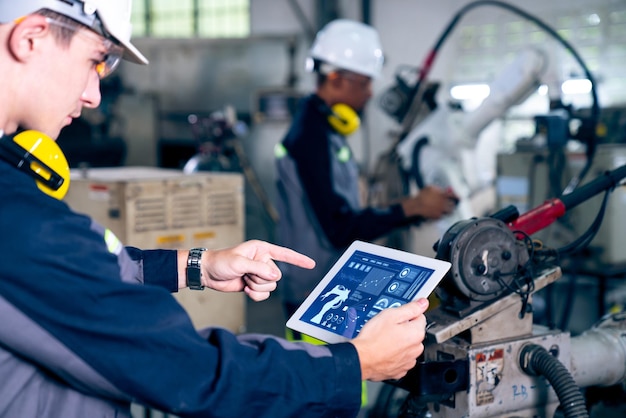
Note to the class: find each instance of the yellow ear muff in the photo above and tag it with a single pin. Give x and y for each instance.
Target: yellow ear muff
(344, 119)
(45, 161)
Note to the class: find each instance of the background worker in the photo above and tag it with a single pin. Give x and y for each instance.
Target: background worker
(317, 176)
(89, 325)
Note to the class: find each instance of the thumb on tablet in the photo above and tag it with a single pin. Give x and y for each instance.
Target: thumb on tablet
(412, 310)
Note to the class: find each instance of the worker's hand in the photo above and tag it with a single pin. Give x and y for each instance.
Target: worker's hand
(390, 343)
(249, 267)
(430, 203)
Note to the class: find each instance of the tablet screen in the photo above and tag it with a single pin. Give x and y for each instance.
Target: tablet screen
(360, 285)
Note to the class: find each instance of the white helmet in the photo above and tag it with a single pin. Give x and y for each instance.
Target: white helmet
(347, 45)
(110, 18)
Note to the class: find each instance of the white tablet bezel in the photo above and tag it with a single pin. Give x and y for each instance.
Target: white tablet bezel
(439, 267)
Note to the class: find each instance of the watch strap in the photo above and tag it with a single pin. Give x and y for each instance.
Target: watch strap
(194, 269)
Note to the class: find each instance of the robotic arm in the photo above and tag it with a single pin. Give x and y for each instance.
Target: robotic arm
(441, 150)
(458, 134)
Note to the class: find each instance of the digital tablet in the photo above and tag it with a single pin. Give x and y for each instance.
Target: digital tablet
(366, 279)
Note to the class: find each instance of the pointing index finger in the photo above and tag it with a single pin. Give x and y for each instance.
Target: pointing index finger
(290, 256)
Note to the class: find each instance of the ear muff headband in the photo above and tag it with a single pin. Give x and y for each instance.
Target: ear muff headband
(343, 119)
(39, 156)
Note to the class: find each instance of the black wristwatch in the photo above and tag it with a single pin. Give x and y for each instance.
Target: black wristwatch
(193, 270)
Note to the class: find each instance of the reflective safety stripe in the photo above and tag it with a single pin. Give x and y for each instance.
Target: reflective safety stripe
(280, 151)
(114, 245)
(343, 154)
(289, 335)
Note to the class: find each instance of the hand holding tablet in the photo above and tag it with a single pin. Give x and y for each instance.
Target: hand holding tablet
(390, 344)
(366, 279)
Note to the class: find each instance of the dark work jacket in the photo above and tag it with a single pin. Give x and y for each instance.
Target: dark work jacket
(89, 326)
(318, 198)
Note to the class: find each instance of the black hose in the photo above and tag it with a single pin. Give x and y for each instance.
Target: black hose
(607, 180)
(537, 361)
(416, 169)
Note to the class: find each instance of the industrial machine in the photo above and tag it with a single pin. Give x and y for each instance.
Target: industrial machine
(484, 356)
(220, 148)
(150, 208)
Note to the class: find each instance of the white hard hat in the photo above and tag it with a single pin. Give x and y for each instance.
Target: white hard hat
(110, 18)
(348, 45)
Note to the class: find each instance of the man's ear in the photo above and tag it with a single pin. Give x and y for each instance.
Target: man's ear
(27, 34)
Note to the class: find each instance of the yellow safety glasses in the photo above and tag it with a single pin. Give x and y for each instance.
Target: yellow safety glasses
(113, 54)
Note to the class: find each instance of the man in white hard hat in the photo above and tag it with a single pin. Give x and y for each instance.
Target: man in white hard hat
(321, 212)
(88, 325)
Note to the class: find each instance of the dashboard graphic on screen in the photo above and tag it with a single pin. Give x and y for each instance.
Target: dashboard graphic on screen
(364, 285)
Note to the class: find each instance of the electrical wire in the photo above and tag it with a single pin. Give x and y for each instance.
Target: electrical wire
(571, 250)
(524, 284)
(583, 240)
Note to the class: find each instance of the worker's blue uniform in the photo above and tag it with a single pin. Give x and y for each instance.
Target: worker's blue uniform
(319, 200)
(89, 326)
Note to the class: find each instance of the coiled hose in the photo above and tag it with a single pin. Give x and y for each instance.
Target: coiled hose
(537, 361)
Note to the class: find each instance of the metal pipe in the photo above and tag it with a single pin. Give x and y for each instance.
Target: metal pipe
(598, 355)
(308, 29)
(366, 11)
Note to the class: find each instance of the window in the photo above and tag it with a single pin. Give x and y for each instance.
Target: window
(191, 18)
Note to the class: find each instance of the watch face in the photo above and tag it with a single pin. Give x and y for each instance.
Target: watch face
(193, 270)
